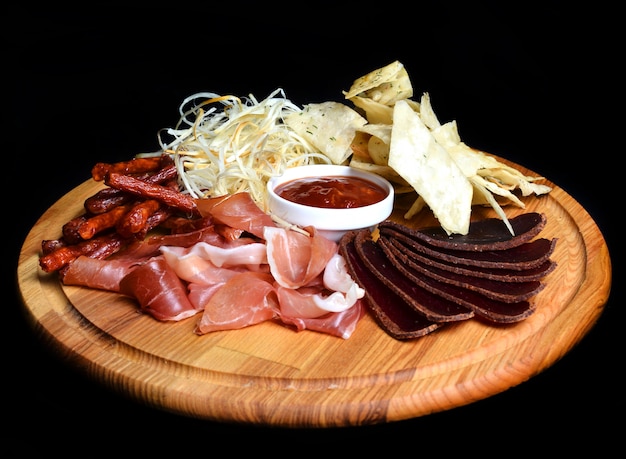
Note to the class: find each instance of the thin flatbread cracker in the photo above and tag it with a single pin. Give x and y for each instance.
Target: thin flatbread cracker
(385, 85)
(329, 126)
(430, 170)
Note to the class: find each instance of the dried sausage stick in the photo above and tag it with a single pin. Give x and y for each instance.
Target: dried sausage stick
(134, 221)
(166, 195)
(70, 229)
(94, 225)
(133, 166)
(178, 225)
(98, 247)
(158, 217)
(154, 220)
(60, 257)
(164, 174)
(50, 245)
(106, 245)
(104, 200)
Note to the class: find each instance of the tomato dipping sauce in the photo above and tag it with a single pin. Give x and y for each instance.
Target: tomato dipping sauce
(335, 192)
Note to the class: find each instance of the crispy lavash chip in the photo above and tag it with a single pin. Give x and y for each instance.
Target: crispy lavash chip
(385, 85)
(378, 151)
(427, 114)
(382, 131)
(477, 163)
(415, 208)
(359, 146)
(497, 190)
(378, 142)
(481, 193)
(447, 134)
(384, 171)
(329, 126)
(422, 162)
(375, 112)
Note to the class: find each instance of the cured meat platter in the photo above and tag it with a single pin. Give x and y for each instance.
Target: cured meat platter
(268, 374)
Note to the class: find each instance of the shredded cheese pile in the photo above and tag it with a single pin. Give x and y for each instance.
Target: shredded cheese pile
(235, 147)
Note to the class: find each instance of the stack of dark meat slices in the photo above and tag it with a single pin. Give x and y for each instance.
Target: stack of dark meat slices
(418, 280)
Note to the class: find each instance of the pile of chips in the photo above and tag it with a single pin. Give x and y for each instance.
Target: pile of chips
(402, 140)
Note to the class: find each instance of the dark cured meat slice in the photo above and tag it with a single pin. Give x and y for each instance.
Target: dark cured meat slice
(503, 275)
(391, 312)
(434, 306)
(487, 234)
(509, 292)
(158, 290)
(525, 256)
(485, 307)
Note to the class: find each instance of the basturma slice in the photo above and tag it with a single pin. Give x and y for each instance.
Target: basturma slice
(487, 234)
(495, 274)
(391, 312)
(434, 306)
(525, 256)
(491, 309)
(509, 292)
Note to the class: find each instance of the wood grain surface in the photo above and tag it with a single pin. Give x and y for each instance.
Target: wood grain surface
(268, 374)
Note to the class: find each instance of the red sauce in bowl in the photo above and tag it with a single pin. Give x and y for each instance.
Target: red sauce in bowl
(337, 192)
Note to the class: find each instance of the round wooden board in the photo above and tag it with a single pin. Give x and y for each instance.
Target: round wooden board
(269, 374)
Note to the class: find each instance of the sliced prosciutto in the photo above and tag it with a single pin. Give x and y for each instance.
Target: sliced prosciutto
(251, 255)
(312, 302)
(200, 294)
(150, 247)
(236, 211)
(158, 290)
(96, 273)
(246, 299)
(341, 324)
(190, 266)
(296, 259)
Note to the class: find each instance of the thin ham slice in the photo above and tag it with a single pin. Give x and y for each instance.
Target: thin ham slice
(200, 294)
(99, 274)
(237, 211)
(158, 290)
(341, 324)
(312, 302)
(296, 259)
(191, 267)
(150, 247)
(248, 255)
(245, 299)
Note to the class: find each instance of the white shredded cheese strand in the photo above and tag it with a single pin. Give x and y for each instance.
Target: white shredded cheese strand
(236, 147)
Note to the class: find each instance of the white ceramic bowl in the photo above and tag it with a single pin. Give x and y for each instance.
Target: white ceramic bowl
(330, 222)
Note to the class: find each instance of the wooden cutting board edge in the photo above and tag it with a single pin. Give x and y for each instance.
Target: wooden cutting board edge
(217, 397)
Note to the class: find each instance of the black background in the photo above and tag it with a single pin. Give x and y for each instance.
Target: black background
(95, 83)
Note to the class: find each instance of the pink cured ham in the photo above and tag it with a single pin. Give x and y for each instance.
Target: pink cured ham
(191, 267)
(237, 211)
(315, 301)
(99, 274)
(200, 294)
(340, 324)
(158, 290)
(150, 246)
(246, 299)
(296, 259)
(251, 256)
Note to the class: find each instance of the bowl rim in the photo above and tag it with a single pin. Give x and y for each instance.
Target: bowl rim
(337, 219)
